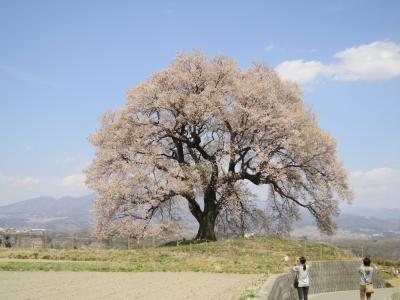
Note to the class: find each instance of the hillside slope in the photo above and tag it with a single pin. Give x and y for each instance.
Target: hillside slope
(252, 255)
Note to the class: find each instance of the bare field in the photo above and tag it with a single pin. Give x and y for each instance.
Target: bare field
(145, 285)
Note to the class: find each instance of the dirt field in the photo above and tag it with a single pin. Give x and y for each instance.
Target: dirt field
(90, 285)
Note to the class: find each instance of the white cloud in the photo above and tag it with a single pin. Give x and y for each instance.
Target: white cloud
(75, 181)
(18, 182)
(25, 182)
(13, 188)
(379, 60)
(269, 47)
(67, 160)
(377, 174)
(301, 71)
(70, 159)
(23, 75)
(379, 187)
(375, 61)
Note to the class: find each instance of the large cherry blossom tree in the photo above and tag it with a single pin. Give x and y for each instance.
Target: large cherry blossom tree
(198, 134)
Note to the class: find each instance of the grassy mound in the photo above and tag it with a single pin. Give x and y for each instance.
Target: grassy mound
(254, 255)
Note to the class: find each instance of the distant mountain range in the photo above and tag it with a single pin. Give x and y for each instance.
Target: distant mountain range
(379, 213)
(357, 222)
(68, 214)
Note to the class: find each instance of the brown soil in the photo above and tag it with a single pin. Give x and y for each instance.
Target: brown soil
(94, 285)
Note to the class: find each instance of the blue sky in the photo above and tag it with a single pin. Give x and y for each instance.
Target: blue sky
(64, 63)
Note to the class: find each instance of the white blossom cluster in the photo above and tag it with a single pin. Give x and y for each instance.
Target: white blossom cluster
(196, 131)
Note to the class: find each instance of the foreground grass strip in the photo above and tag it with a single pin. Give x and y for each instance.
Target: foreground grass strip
(69, 266)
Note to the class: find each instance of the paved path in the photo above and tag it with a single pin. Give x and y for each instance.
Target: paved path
(380, 294)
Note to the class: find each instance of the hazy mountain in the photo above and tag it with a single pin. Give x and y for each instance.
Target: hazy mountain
(379, 213)
(64, 214)
(68, 214)
(371, 223)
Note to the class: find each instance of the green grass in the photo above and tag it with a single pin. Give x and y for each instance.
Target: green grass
(387, 272)
(246, 256)
(251, 291)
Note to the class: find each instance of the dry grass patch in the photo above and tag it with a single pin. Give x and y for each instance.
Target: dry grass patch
(246, 256)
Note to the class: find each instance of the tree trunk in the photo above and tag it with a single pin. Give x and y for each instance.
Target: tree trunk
(206, 226)
(207, 217)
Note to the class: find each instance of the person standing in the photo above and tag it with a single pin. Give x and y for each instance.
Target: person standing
(302, 274)
(366, 272)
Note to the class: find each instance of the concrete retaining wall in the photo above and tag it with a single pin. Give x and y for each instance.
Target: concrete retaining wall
(325, 276)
